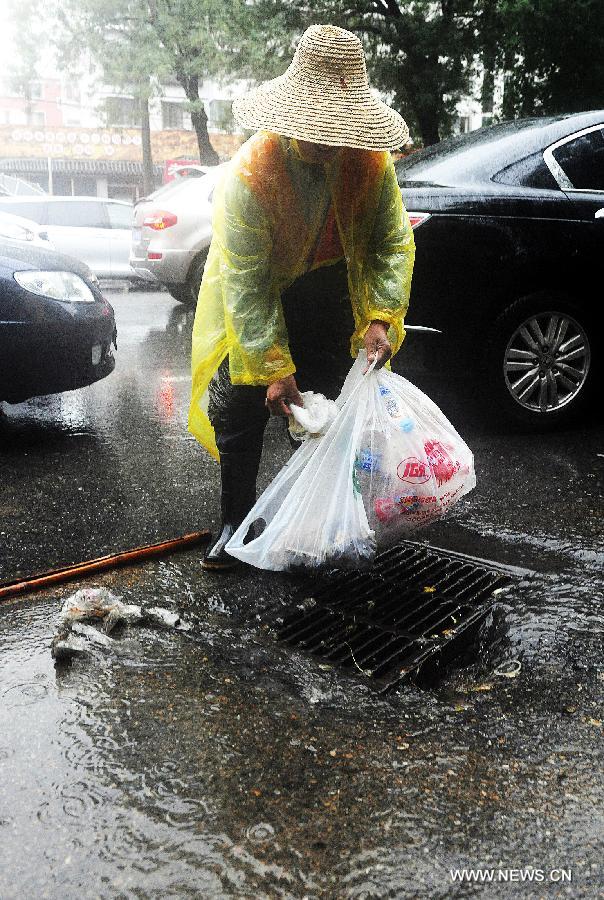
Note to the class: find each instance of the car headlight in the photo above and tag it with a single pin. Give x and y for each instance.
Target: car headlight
(16, 232)
(64, 286)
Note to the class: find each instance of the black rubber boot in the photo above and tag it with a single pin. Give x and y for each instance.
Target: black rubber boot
(238, 473)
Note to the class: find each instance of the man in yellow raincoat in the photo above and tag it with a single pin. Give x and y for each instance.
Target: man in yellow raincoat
(315, 187)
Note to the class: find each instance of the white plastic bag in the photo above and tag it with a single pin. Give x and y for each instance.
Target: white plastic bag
(95, 605)
(389, 463)
(314, 418)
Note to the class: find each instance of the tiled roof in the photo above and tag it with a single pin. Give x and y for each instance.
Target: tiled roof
(75, 167)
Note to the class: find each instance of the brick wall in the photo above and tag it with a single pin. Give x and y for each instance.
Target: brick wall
(226, 145)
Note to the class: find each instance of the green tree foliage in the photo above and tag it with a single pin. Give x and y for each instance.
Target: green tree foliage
(23, 68)
(552, 55)
(421, 53)
(146, 42)
(424, 53)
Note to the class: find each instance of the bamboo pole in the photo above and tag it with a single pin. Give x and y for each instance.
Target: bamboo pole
(43, 580)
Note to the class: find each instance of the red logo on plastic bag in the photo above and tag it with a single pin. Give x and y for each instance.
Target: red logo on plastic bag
(440, 462)
(413, 470)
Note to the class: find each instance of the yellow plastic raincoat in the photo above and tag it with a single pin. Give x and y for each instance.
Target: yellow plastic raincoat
(268, 229)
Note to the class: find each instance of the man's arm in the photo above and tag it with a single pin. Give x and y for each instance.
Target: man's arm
(255, 325)
(388, 271)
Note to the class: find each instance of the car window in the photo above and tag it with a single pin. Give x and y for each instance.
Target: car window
(582, 160)
(120, 216)
(164, 190)
(79, 213)
(532, 171)
(33, 211)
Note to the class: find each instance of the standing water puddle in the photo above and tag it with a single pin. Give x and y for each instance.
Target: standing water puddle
(96, 780)
(219, 764)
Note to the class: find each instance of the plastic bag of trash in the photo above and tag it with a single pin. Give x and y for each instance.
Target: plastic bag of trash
(312, 419)
(389, 463)
(96, 605)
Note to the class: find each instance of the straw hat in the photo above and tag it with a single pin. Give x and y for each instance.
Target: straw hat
(324, 97)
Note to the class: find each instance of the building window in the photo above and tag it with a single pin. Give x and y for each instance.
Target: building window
(123, 112)
(37, 118)
(221, 115)
(464, 124)
(16, 117)
(71, 93)
(35, 90)
(172, 115)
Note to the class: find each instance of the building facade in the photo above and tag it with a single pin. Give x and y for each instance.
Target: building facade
(71, 137)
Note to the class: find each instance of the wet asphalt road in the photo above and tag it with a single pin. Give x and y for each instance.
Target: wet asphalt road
(216, 763)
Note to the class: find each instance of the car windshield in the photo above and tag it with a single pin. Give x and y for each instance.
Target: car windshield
(77, 213)
(33, 211)
(204, 182)
(439, 162)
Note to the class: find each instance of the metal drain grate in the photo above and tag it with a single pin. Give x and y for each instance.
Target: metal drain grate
(416, 607)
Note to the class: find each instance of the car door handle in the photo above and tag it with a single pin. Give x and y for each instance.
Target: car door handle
(599, 214)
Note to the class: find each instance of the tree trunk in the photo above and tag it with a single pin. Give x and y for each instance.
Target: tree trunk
(487, 92)
(490, 29)
(428, 121)
(148, 174)
(199, 119)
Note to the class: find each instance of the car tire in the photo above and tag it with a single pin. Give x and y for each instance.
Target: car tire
(180, 292)
(541, 362)
(194, 278)
(188, 292)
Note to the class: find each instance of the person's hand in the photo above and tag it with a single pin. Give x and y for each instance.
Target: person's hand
(377, 344)
(280, 394)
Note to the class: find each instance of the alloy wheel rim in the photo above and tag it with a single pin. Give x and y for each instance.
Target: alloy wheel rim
(546, 361)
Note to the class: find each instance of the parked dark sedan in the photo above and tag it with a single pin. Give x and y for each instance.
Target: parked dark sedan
(56, 328)
(509, 229)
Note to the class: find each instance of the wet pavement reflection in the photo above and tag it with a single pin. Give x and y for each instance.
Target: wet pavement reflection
(217, 763)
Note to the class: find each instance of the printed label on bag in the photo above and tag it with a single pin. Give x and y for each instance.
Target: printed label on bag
(387, 509)
(366, 461)
(413, 470)
(440, 462)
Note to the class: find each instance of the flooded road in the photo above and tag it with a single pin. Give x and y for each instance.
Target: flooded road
(217, 763)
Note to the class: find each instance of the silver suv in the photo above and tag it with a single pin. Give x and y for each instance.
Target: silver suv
(96, 230)
(172, 232)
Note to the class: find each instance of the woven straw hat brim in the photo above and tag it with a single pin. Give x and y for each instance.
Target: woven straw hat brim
(306, 111)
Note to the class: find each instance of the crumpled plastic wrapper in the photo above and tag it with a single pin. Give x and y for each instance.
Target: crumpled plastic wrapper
(76, 634)
(314, 418)
(98, 604)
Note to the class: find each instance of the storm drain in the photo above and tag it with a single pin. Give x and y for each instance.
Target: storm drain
(416, 609)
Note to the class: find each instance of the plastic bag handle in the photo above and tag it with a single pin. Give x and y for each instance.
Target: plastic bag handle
(372, 366)
(361, 382)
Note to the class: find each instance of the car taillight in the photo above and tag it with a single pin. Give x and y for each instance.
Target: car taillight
(418, 218)
(160, 220)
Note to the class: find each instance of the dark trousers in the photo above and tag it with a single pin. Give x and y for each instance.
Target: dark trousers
(320, 324)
